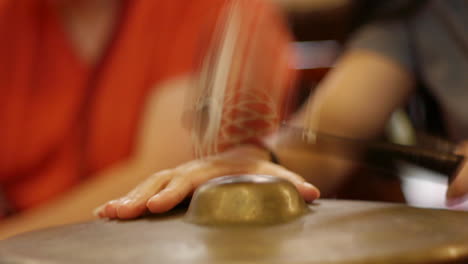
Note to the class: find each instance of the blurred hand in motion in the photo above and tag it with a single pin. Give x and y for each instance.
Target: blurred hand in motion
(457, 192)
(164, 190)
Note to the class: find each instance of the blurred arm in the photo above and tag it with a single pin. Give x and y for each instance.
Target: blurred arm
(157, 148)
(355, 100)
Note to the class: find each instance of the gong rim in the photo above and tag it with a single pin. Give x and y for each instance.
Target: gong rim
(168, 237)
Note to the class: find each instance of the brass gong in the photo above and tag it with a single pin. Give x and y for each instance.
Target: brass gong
(255, 219)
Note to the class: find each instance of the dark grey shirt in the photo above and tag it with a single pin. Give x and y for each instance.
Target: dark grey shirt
(432, 43)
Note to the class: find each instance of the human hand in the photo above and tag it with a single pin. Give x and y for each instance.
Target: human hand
(457, 192)
(164, 190)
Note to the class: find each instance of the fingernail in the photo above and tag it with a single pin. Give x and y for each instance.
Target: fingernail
(155, 197)
(310, 186)
(98, 210)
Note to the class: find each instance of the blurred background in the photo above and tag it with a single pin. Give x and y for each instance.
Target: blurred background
(81, 123)
(321, 29)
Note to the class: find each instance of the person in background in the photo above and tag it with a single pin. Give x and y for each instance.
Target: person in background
(384, 60)
(92, 94)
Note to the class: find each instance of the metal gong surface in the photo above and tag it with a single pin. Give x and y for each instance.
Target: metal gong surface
(330, 231)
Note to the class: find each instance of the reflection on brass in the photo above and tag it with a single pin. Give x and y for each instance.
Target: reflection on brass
(337, 232)
(245, 199)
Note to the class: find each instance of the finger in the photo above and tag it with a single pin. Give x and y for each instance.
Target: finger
(457, 192)
(129, 209)
(462, 148)
(458, 189)
(110, 209)
(170, 196)
(180, 187)
(99, 211)
(134, 204)
(307, 190)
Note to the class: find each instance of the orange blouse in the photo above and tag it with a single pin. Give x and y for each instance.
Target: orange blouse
(60, 120)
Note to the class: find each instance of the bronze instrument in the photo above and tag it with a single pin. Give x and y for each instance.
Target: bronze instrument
(255, 219)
